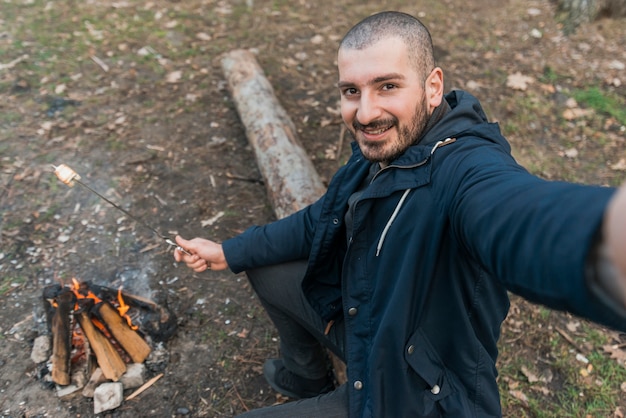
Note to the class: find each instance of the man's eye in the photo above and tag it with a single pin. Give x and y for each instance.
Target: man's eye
(350, 91)
(389, 86)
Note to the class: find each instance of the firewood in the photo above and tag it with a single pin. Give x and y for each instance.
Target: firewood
(109, 360)
(62, 337)
(136, 347)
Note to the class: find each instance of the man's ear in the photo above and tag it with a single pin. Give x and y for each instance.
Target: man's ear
(434, 88)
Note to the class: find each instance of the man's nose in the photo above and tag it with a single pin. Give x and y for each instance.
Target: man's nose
(369, 110)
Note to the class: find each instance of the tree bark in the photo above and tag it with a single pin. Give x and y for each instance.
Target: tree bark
(290, 177)
(584, 11)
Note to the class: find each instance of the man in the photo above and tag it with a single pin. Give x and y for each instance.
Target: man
(402, 268)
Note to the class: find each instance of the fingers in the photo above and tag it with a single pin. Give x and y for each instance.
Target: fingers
(204, 254)
(183, 243)
(192, 261)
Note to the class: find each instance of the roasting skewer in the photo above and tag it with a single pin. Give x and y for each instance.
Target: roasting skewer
(71, 177)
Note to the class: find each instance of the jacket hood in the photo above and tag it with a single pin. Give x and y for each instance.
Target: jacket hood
(466, 117)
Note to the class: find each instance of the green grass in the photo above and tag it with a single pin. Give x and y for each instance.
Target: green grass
(576, 390)
(602, 102)
(8, 282)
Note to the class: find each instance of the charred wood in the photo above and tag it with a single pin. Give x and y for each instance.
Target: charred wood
(62, 336)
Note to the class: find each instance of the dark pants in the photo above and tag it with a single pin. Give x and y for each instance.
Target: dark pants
(303, 342)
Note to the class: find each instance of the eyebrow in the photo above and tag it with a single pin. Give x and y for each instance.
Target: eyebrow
(376, 80)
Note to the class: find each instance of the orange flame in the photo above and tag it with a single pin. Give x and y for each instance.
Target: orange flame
(123, 309)
(80, 293)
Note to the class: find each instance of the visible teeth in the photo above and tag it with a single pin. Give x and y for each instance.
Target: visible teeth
(379, 131)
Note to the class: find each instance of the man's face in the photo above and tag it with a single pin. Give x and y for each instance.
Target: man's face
(383, 102)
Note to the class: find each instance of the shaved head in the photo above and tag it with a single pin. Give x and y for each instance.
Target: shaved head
(394, 24)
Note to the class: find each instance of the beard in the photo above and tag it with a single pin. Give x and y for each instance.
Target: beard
(391, 148)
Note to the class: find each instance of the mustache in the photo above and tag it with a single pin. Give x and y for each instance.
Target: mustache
(375, 124)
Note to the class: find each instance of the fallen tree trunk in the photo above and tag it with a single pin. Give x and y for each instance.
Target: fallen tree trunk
(290, 177)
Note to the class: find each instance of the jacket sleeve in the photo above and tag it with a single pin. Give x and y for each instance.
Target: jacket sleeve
(533, 235)
(284, 240)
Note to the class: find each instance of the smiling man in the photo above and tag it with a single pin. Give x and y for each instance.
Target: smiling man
(387, 111)
(402, 268)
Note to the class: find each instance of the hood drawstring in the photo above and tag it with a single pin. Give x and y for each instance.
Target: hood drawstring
(403, 198)
(390, 221)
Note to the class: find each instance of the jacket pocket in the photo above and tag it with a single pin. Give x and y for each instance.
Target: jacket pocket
(442, 394)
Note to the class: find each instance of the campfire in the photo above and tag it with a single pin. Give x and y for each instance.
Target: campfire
(99, 328)
(101, 331)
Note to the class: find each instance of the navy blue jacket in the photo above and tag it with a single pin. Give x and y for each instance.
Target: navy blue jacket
(438, 238)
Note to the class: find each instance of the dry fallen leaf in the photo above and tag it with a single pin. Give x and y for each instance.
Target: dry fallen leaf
(317, 39)
(620, 165)
(617, 353)
(519, 395)
(518, 81)
(532, 378)
(542, 389)
(571, 153)
(576, 113)
(203, 36)
(174, 77)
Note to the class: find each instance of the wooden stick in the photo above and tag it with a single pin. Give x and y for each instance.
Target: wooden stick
(109, 360)
(144, 387)
(101, 63)
(342, 135)
(136, 347)
(570, 340)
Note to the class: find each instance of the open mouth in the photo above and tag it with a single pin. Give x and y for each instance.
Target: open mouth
(378, 131)
(374, 129)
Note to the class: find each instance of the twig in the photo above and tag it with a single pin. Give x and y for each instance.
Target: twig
(144, 386)
(13, 63)
(239, 397)
(342, 134)
(101, 63)
(250, 180)
(570, 340)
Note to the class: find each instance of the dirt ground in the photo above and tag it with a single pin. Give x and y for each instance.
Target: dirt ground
(131, 95)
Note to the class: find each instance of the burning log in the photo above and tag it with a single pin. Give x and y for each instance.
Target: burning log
(156, 320)
(111, 363)
(62, 337)
(134, 345)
